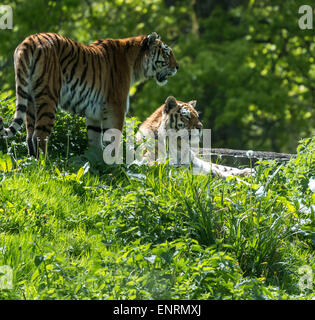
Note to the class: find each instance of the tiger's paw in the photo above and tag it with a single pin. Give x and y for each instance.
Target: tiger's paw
(247, 172)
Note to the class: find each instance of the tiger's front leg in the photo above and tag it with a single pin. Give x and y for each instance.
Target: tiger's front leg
(94, 133)
(112, 126)
(202, 167)
(226, 171)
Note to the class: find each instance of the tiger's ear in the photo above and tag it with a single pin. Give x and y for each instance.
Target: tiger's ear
(193, 103)
(151, 38)
(170, 103)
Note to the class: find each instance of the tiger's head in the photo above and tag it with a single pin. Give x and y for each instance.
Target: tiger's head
(160, 63)
(181, 115)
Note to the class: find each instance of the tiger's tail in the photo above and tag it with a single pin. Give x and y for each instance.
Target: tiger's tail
(22, 61)
(15, 126)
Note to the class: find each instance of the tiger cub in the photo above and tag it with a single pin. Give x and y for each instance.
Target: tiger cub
(169, 119)
(92, 81)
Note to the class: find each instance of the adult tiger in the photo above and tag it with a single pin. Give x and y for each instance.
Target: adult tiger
(171, 118)
(90, 80)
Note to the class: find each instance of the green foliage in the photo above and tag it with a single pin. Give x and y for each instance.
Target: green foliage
(155, 233)
(69, 136)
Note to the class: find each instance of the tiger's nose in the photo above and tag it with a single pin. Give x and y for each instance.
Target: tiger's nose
(177, 66)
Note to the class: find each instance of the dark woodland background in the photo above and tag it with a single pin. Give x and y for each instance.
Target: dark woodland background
(247, 63)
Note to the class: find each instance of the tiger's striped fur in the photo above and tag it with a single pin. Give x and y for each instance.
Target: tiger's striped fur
(90, 80)
(177, 115)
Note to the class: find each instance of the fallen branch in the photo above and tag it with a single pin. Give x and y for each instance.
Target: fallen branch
(247, 154)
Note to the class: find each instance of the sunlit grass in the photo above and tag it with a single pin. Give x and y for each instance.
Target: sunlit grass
(79, 232)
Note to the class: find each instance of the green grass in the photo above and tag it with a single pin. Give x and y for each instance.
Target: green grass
(71, 231)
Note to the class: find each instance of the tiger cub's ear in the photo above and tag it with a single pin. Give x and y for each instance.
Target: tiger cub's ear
(151, 38)
(170, 103)
(193, 103)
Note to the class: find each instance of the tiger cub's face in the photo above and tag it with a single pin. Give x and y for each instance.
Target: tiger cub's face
(161, 62)
(181, 115)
